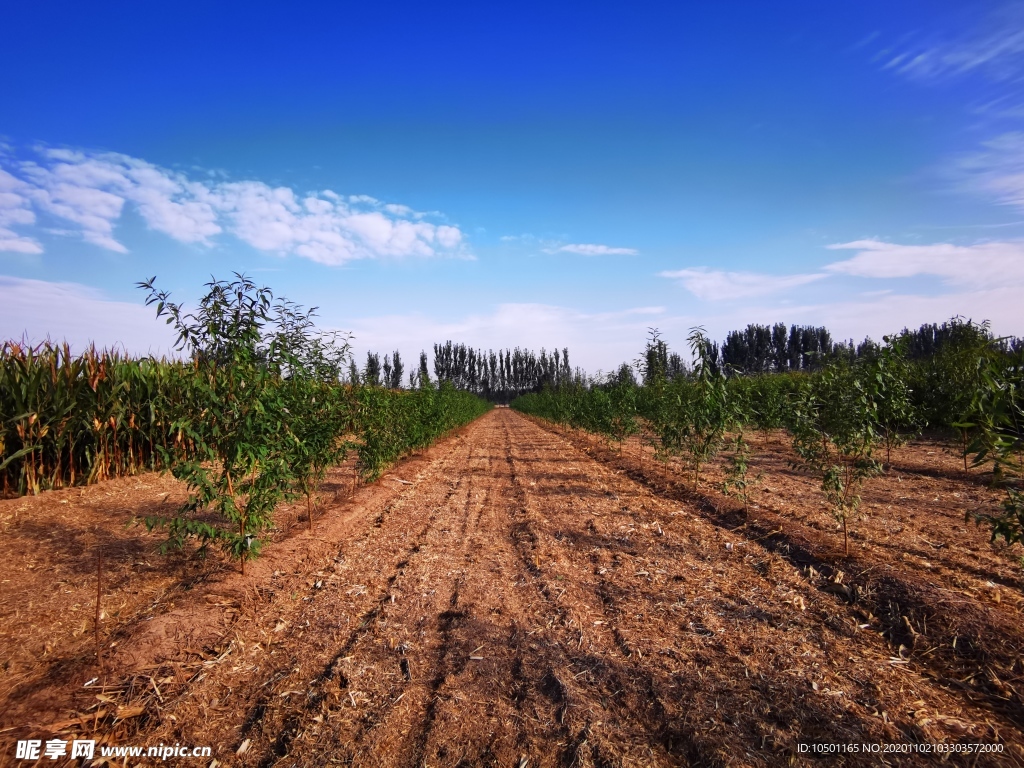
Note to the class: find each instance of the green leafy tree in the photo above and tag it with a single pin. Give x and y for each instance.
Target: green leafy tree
(654, 363)
(709, 411)
(834, 435)
(372, 371)
(423, 377)
(622, 402)
(237, 423)
(317, 409)
(769, 402)
(390, 423)
(319, 415)
(888, 385)
(999, 442)
(737, 482)
(948, 381)
(694, 413)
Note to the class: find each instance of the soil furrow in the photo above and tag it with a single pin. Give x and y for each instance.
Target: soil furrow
(883, 597)
(638, 595)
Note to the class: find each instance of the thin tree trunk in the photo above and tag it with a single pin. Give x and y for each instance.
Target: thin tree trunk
(99, 594)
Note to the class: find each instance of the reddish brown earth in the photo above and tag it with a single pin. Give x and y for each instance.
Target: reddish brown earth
(521, 595)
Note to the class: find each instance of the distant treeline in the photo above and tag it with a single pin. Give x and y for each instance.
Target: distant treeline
(506, 374)
(777, 349)
(499, 377)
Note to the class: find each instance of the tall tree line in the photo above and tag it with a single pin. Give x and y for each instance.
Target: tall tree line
(503, 375)
(930, 338)
(497, 376)
(776, 349)
(377, 374)
(764, 349)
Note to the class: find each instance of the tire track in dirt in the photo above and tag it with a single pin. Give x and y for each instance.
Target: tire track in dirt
(585, 746)
(369, 566)
(489, 667)
(323, 699)
(420, 632)
(428, 727)
(642, 708)
(365, 641)
(491, 680)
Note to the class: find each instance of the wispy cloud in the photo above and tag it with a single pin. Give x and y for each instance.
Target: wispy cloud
(884, 313)
(592, 249)
(991, 53)
(92, 190)
(554, 244)
(983, 265)
(605, 339)
(995, 170)
(980, 266)
(993, 48)
(718, 285)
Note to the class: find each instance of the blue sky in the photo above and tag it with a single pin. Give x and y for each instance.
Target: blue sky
(518, 173)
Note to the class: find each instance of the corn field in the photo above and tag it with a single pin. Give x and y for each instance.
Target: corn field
(71, 420)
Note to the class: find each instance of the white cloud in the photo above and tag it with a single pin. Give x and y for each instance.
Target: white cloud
(448, 236)
(595, 339)
(363, 199)
(264, 217)
(37, 310)
(587, 249)
(13, 243)
(92, 190)
(400, 210)
(69, 311)
(984, 265)
(15, 210)
(717, 285)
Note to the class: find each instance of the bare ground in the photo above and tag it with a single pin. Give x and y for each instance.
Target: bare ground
(523, 596)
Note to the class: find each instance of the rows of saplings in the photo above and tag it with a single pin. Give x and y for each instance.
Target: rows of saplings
(253, 414)
(844, 416)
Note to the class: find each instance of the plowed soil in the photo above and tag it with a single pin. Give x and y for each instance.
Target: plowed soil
(525, 596)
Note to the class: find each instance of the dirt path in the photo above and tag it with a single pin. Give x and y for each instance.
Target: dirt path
(522, 604)
(507, 600)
